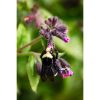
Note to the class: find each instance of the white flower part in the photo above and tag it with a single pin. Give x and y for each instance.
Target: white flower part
(62, 69)
(67, 68)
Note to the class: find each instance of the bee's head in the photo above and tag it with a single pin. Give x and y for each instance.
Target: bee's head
(48, 53)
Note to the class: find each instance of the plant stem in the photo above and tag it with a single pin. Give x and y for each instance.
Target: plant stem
(29, 44)
(36, 55)
(28, 54)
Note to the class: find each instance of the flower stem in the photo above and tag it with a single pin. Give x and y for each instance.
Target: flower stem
(28, 54)
(29, 44)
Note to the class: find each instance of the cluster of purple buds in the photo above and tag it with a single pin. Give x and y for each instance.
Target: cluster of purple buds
(54, 27)
(48, 28)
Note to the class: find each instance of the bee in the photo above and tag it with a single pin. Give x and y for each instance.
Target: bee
(48, 57)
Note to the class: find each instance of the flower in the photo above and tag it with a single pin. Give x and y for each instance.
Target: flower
(45, 33)
(66, 72)
(35, 16)
(48, 28)
(63, 68)
(54, 27)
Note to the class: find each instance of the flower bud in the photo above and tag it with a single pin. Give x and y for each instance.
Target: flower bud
(38, 67)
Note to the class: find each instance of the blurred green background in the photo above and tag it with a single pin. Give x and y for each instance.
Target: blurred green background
(71, 13)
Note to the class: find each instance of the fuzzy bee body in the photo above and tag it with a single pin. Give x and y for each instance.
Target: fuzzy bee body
(48, 70)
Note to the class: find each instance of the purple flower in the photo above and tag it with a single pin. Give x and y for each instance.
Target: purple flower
(45, 33)
(63, 68)
(48, 28)
(56, 28)
(35, 16)
(55, 24)
(51, 21)
(64, 73)
(29, 19)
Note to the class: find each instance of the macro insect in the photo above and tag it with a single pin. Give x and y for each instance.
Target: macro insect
(52, 65)
(48, 57)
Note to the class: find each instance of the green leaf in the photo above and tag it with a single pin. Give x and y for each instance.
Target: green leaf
(32, 75)
(45, 13)
(23, 37)
(21, 65)
(29, 3)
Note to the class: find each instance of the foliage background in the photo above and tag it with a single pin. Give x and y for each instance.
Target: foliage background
(71, 12)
